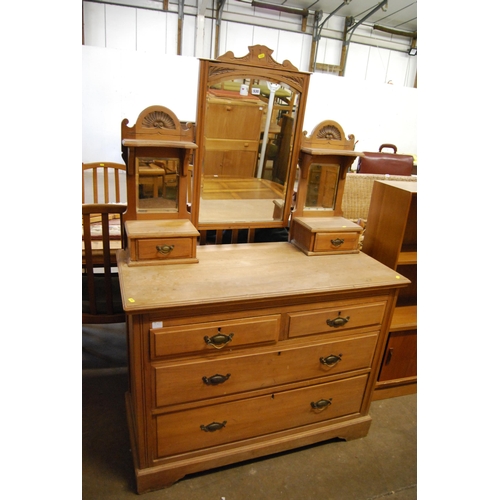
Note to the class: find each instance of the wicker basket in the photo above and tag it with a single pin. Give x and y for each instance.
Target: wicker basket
(358, 193)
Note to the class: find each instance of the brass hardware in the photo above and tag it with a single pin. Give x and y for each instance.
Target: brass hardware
(337, 242)
(164, 249)
(389, 355)
(214, 426)
(339, 321)
(331, 360)
(218, 341)
(215, 379)
(321, 404)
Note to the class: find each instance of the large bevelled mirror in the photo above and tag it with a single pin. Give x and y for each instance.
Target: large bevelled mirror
(250, 115)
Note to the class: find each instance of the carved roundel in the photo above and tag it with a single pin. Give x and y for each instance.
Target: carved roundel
(158, 119)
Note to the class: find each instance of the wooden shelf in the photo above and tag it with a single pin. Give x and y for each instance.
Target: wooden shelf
(407, 258)
(404, 318)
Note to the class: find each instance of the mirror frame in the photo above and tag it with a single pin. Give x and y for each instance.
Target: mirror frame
(327, 145)
(157, 133)
(257, 64)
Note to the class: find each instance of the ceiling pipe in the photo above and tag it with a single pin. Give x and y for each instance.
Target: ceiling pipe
(289, 10)
(280, 8)
(392, 31)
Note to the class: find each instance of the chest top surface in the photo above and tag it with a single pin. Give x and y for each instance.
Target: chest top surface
(249, 273)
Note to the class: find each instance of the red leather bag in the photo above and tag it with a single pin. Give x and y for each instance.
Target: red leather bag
(385, 163)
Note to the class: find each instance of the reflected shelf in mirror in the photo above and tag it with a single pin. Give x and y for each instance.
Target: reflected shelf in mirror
(240, 200)
(157, 184)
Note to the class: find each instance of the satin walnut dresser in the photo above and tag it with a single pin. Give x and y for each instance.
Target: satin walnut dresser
(256, 349)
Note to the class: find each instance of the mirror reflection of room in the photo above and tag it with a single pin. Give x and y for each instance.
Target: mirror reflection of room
(157, 184)
(322, 186)
(248, 138)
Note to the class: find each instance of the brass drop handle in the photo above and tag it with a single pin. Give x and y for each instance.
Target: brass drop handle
(337, 242)
(338, 321)
(219, 340)
(216, 379)
(214, 426)
(321, 404)
(164, 249)
(331, 360)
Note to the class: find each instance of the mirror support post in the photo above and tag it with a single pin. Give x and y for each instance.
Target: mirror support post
(273, 87)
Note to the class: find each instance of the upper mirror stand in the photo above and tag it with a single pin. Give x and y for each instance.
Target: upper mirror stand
(318, 227)
(157, 146)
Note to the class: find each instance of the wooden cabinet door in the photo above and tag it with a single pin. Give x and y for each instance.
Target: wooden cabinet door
(233, 121)
(239, 164)
(400, 359)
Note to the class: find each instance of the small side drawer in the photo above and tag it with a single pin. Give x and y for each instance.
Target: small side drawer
(249, 369)
(165, 248)
(181, 432)
(152, 242)
(211, 337)
(338, 318)
(336, 242)
(325, 235)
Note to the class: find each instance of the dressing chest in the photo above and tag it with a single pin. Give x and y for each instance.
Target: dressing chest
(255, 349)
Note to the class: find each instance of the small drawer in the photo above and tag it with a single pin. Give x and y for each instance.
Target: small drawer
(165, 248)
(200, 428)
(336, 242)
(152, 242)
(184, 381)
(325, 235)
(337, 318)
(212, 337)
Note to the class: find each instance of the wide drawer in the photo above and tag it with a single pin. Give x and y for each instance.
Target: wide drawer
(336, 242)
(165, 248)
(214, 336)
(337, 318)
(178, 382)
(209, 426)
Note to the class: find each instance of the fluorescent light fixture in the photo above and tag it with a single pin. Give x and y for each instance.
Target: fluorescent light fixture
(412, 51)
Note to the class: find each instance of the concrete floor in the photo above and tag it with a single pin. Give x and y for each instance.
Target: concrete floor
(383, 464)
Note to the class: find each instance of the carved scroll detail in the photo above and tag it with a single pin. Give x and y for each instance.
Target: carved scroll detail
(158, 119)
(258, 55)
(329, 132)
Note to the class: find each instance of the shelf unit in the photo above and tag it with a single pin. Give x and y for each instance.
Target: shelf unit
(391, 238)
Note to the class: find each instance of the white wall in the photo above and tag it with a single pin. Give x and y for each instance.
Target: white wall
(118, 84)
(375, 113)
